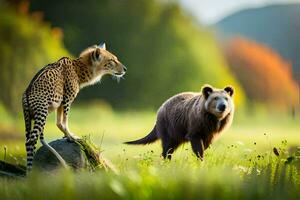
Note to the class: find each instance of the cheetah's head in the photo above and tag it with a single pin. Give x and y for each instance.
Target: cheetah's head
(103, 62)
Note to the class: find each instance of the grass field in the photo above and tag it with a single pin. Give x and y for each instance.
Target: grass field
(240, 164)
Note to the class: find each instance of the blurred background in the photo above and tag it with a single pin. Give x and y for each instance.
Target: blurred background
(168, 47)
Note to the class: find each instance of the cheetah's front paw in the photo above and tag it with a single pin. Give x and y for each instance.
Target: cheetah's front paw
(72, 138)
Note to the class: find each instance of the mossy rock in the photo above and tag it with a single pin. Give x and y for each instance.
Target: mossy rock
(82, 154)
(71, 152)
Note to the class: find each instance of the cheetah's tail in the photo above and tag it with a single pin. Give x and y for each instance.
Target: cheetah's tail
(27, 120)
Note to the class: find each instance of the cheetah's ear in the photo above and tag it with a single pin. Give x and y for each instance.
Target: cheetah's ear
(206, 91)
(97, 54)
(102, 45)
(229, 90)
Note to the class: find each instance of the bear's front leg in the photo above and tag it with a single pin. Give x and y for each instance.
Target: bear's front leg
(197, 147)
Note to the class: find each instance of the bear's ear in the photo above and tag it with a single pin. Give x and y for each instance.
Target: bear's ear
(229, 90)
(206, 91)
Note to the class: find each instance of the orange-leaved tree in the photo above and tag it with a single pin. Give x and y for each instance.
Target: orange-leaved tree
(265, 76)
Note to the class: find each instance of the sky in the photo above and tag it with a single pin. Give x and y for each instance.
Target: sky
(211, 11)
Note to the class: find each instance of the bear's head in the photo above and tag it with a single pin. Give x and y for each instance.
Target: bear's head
(218, 101)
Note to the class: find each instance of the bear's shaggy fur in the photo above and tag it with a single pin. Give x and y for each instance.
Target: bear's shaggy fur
(193, 117)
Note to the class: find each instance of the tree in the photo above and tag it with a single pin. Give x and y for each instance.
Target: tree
(164, 50)
(26, 46)
(264, 75)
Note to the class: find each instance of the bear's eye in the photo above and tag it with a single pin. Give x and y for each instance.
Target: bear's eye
(216, 98)
(226, 98)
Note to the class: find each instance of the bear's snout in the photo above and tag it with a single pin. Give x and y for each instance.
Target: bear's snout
(221, 107)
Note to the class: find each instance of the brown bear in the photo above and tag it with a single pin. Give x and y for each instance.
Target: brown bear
(194, 117)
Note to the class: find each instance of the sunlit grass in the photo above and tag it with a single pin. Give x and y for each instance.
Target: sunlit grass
(240, 164)
(221, 176)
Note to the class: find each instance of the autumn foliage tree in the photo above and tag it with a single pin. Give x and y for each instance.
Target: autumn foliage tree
(265, 76)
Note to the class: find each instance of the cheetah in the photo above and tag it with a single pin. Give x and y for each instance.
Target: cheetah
(56, 86)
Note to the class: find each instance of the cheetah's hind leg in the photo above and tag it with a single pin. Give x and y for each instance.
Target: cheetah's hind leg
(61, 160)
(38, 129)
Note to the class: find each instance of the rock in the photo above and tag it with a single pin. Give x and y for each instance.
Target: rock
(82, 154)
(71, 152)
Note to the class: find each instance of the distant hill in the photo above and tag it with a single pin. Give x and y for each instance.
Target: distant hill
(277, 26)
